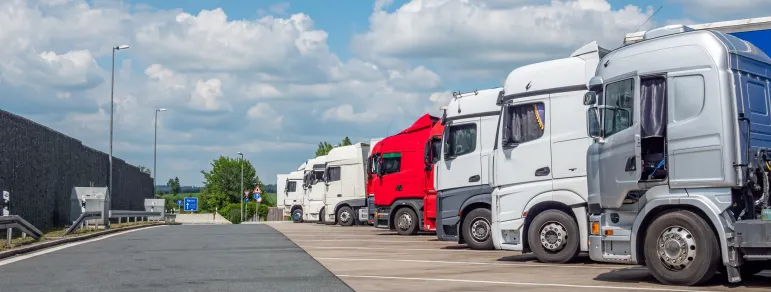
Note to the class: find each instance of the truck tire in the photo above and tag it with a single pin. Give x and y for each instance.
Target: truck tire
(553, 237)
(345, 216)
(681, 249)
(477, 230)
(406, 222)
(321, 216)
(297, 216)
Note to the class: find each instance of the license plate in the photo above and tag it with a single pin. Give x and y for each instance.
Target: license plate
(363, 214)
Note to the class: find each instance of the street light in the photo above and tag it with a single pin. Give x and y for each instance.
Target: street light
(242, 185)
(106, 209)
(155, 147)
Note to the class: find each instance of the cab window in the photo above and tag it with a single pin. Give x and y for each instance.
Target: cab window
(619, 102)
(291, 186)
(461, 139)
(333, 174)
(392, 163)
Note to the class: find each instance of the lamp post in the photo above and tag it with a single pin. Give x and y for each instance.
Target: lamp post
(242, 185)
(106, 210)
(155, 151)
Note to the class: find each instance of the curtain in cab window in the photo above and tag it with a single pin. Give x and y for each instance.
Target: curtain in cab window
(392, 162)
(333, 173)
(528, 122)
(462, 139)
(653, 107)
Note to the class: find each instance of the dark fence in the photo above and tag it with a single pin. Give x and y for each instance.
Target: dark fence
(40, 166)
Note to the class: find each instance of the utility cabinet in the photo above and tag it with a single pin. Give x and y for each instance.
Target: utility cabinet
(155, 205)
(88, 199)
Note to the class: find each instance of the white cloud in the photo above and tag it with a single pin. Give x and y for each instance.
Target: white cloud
(229, 85)
(492, 36)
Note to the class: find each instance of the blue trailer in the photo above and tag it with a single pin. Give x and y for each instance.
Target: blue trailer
(754, 30)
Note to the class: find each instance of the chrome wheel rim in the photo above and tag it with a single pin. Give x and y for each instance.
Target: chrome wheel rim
(676, 248)
(405, 221)
(345, 216)
(480, 229)
(554, 236)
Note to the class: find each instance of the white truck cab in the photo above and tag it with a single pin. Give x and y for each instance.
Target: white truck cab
(345, 177)
(313, 184)
(461, 176)
(293, 195)
(539, 163)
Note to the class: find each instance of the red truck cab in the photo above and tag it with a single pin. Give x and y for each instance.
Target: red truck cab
(398, 179)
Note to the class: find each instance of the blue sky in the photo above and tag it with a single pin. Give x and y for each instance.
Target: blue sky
(273, 78)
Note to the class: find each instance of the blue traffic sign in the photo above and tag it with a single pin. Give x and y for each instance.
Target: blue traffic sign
(191, 204)
(179, 203)
(257, 196)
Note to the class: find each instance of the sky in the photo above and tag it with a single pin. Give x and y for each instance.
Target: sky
(272, 78)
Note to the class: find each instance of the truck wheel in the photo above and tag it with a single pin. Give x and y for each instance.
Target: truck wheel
(297, 216)
(681, 249)
(406, 222)
(321, 217)
(345, 216)
(477, 229)
(553, 237)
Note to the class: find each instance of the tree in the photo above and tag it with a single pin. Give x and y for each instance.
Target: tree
(144, 169)
(222, 184)
(173, 184)
(325, 147)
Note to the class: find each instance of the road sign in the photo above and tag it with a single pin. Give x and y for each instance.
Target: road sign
(191, 204)
(246, 193)
(258, 197)
(179, 203)
(246, 200)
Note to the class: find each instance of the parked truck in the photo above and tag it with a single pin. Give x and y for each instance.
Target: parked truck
(463, 173)
(313, 186)
(293, 196)
(374, 143)
(398, 178)
(679, 171)
(432, 155)
(345, 180)
(539, 166)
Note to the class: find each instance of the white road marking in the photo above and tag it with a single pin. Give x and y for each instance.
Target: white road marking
(364, 240)
(522, 283)
(67, 245)
(396, 248)
(608, 267)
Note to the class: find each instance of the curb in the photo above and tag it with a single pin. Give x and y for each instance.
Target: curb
(52, 243)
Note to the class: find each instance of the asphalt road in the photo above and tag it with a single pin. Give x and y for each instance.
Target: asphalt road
(175, 258)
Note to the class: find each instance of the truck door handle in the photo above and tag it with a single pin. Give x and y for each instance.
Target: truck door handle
(630, 164)
(543, 171)
(474, 178)
(399, 188)
(339, 195)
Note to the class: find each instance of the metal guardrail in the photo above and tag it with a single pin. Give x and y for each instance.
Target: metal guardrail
(80, 221)
(15, 221)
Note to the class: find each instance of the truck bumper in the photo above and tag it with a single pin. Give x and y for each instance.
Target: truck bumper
(447, 228)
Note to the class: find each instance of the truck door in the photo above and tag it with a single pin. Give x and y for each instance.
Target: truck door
(523, 159)
(620, 161)
(394, 178)
(460, 170)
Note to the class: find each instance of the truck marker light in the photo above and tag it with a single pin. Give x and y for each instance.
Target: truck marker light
(460, 212)
(608, 232)
(595, 228)
(524, 214)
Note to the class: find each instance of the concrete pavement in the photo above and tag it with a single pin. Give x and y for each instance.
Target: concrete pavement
(371, 259)
(175, 258)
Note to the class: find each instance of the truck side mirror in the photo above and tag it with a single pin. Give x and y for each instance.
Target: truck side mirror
(596, 83)
(593, 126)
(427, 153)
(590, 97)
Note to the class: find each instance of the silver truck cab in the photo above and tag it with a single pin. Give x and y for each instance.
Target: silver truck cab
(678, 173)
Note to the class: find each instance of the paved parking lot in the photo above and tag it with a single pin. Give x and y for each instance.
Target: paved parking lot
(370, 259)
